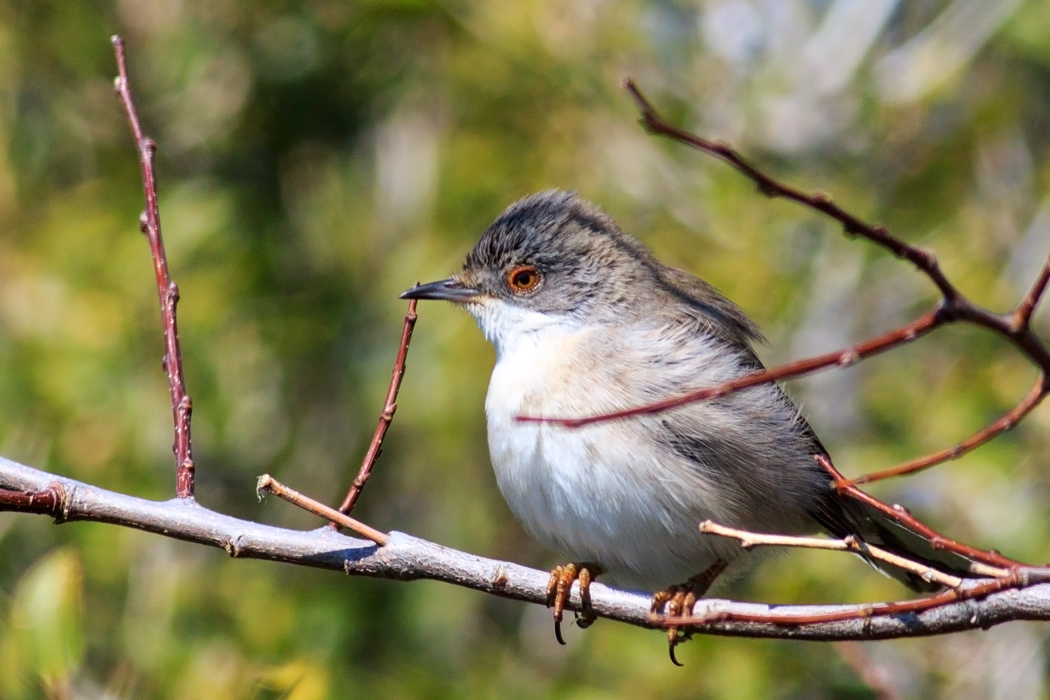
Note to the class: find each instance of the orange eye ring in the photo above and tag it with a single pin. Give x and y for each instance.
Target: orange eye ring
(523, 278)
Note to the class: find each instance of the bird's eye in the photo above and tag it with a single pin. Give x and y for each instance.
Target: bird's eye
(523, 278)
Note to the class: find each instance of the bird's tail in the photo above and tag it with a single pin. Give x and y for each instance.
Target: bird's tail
(843, 515)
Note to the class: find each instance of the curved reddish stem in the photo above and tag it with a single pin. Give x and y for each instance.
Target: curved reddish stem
(375, 448)
(1006, 422)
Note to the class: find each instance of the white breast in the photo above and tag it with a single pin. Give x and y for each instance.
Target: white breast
(596, 494)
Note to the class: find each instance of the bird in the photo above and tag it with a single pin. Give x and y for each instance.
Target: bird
(585, 322)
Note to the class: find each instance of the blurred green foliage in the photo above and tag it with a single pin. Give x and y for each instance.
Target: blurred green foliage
(316, 158)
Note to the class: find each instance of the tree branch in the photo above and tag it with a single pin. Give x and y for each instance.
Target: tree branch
(1023, 315)
(408, 558)
(47, 501)
(970, 590)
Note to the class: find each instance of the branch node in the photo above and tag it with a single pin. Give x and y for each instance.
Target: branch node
(52, 500)
(262, 485)
(233, 546)
(764, 186)
(850, 357)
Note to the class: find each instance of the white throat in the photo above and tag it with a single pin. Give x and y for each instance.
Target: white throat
(509, 326)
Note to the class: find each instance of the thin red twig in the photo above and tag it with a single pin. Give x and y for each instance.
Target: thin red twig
(1011, 418)
(268, 483)
(167, 290)
(954, 305)
(840, 358)
(386, 417)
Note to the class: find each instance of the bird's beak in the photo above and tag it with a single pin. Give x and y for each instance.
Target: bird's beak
(446, 290)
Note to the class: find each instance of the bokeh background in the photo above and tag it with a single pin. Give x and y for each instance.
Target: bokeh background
(316, 158)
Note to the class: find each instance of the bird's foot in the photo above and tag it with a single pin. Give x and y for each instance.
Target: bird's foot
(678, 601)
(560, 586)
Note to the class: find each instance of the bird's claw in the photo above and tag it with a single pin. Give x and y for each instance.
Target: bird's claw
(560, 586)
(678, 602)
(675, 602)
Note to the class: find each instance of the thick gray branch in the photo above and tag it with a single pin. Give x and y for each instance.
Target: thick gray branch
(407, 558)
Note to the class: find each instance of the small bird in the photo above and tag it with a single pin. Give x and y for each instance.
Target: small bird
(586, 322)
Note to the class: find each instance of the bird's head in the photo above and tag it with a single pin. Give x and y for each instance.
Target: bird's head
(551, 260)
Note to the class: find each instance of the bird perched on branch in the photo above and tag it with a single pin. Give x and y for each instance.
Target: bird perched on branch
(587, 322)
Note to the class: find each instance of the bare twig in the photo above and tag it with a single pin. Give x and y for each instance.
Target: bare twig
(268, 483)
(149, 223)
(771, 187)
(748, 540)
(386, 417)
